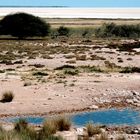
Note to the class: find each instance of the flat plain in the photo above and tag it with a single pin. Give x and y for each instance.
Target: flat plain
(82, 73)
(70, 74)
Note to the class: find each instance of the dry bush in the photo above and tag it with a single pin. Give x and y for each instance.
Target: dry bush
(92, 130)
(7, 96)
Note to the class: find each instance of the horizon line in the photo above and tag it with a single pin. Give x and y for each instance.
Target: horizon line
(16, 6)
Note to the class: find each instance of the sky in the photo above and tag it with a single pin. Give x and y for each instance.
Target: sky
(72, 3)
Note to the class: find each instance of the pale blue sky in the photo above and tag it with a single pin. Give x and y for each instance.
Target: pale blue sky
(72, 3)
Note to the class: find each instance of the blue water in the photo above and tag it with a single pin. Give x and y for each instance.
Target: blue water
(106, 117)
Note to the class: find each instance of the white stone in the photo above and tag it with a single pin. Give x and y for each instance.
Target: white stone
(93, 107)
(80, 131)
(130, 101)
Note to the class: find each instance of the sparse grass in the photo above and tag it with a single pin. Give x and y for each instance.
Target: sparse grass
(63, 123)
(129, 59)
(18, 62)
(7, 96)
(71, 72)
(82, 57)
(110, 65)
(130, 70)
(128, 46)
(95, 57)
(45, 56)
(111, 29)
(40, 73)
(69, 56)
(23, 131)
(38, 65)
(71, 61)
(65, 67)
(92, 130)
(49, 127)
(72, 85)
(90, 69)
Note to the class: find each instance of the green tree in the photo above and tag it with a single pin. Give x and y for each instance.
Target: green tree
(23, 25)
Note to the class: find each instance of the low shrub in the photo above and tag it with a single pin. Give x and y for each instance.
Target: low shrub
(7, 96)
(49, 127)
(4, 135)
(23, 131)
(71, 72)
(81, 57)
(63, 31)
(90, 69)
(130, 70)
(92, 130)
(39, 73)
(65, 67)
(63, 123)
(113, 30)
(86, 33)
(18, 62)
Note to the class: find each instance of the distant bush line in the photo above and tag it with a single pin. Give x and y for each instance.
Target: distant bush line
(113, 30)
(23, 25)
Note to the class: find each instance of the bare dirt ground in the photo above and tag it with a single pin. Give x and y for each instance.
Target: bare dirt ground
(55, 77)
(89, 22)
(79, 92)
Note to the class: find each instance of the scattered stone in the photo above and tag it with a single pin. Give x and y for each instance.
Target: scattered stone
(129, 101)
(81, 131)
(93, 107)
(135, 93)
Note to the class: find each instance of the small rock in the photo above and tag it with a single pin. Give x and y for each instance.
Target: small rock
(93, 107)
(80, 131)
(135, 93)
(96, 99)
(130, 101)
(135, 100)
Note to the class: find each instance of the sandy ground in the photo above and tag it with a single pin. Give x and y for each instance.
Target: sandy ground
(55, 97)
(59, 92)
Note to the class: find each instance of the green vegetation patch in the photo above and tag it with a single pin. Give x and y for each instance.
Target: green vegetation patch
(113, 30)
